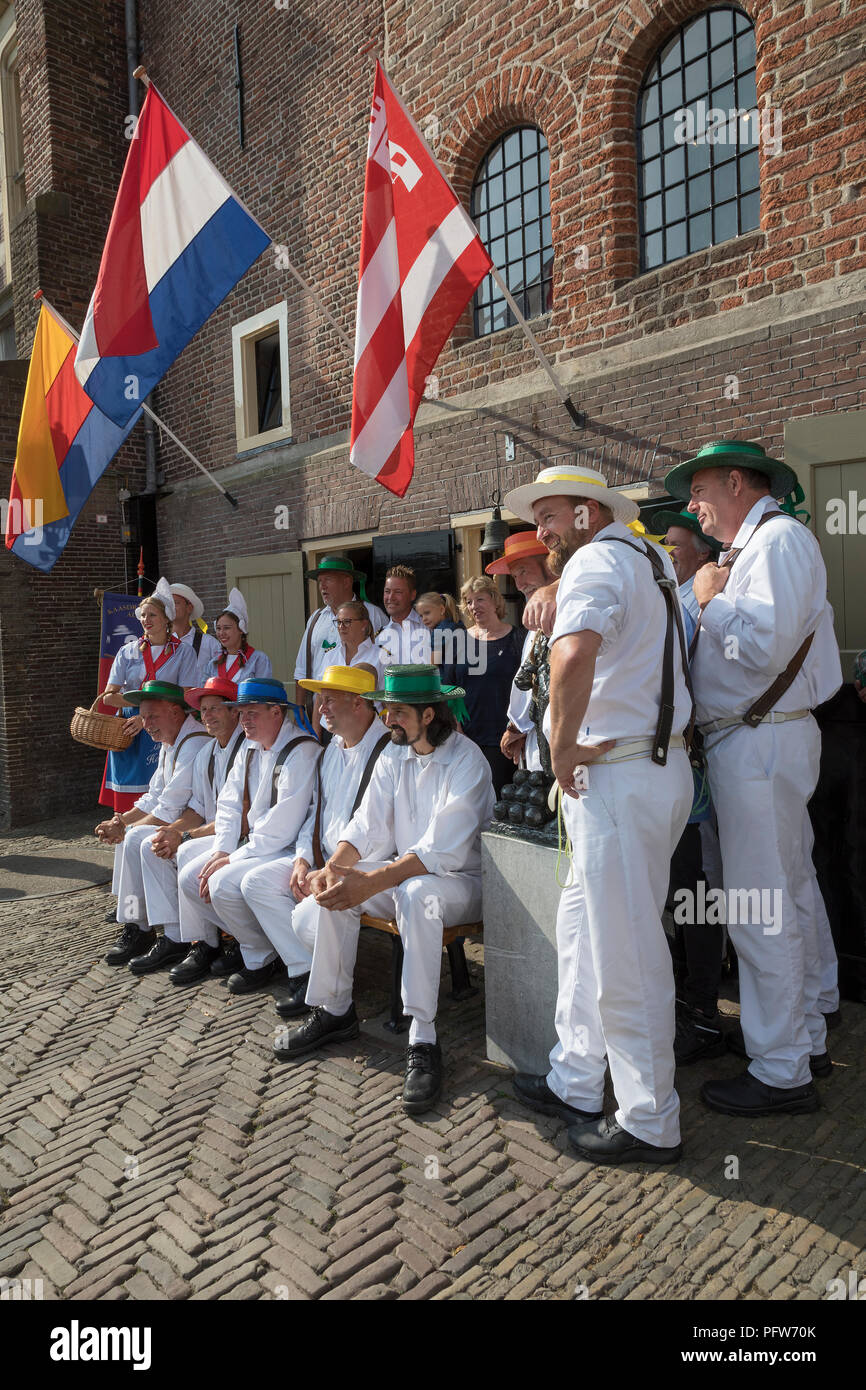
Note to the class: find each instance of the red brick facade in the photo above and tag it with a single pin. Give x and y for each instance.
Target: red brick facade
(644, 355)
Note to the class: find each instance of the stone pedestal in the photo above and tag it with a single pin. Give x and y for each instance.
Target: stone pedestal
(521, 898)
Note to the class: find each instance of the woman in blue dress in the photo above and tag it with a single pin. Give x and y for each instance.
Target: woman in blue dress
(156, 653)
(237, 660)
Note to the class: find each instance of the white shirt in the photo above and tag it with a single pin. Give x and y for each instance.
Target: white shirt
(610, 589)
(326, 641)
(272, 829)
(256, 664)
(170, 787)
(368, 654)
(128, 670)
(775, 596)
(208, 649)
(518, 713)
(433, 806)
(687, 598)
(405, 643)
(342, 769)
(204, 796)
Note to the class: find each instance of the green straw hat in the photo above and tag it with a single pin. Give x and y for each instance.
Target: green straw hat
(417, 685)
(156, 690)
(338, 564)
(731, 453)
(663, 521)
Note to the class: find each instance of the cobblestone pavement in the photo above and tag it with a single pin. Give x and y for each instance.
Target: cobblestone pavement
(153, 1150)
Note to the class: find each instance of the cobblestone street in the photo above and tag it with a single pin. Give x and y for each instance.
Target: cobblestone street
(153, 1150)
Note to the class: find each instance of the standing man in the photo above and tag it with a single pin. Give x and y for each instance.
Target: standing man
(691, 549)
(259, 813)
(273, 891)
(412, 851)
(628, 793)
(166, 717)
(189, 611)
(191, 834)
(404, 640)
(320, 644)
(525, 559)
(765, 656)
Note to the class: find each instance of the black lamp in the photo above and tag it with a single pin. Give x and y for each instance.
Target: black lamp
(497, 531)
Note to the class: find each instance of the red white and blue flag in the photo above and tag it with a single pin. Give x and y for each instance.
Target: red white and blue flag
(421, 262)
(178, 242)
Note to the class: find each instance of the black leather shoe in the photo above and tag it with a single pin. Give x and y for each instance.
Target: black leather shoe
(295, 1006)
(246, 981)
(321, 1027)
(746, 1095)
(607, 1142)
(131, 942)
(229, 960)
(698, 1035)
(163, 952)
(195, 965)
(820, 1064)
(535, 1092)
(423, 1080)
(111, 915)
(833, 1019)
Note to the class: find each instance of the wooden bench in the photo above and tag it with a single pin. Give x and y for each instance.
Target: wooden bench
(452, 940)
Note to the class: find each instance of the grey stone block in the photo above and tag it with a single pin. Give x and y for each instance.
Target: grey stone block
(521, 897)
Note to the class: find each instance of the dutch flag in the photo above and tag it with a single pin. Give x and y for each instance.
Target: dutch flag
(178, 242)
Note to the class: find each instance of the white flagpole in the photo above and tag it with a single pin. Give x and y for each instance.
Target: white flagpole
(146, 408)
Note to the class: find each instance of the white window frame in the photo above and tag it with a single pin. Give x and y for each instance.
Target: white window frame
(244, 337)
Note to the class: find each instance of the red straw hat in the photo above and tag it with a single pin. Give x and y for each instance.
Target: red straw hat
(214, 685)
(520, 545)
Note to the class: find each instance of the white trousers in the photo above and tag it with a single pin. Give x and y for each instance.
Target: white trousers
(230, 911)
(159, 877)
(422, 908)
(127, 881)
(269, 898)
(762, 780)
(813, 907)
(198, 920)
(616, 983)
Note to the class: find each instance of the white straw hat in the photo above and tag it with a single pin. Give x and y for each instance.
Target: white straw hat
(186, 592)
(572, 482)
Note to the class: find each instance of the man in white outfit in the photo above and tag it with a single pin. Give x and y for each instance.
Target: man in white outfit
(525, 559)
(191, 834)
(274, 890)
(765, 655)
(167, 719)
(320, 644)
(411, 852)
(189, 610)
(259, 812)
(627, 797)
(404, 638)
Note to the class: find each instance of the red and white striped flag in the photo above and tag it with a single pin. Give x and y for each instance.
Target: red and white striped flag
(421, 262)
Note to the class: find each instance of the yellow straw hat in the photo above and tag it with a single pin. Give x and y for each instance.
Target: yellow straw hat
(351, 680)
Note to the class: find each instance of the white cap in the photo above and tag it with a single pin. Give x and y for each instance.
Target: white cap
(162, 593)
(237, 606)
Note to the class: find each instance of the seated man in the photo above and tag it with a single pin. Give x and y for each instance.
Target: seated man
(167, 719)
(274, 889)
(259, 812)
(163, 852)
(412, 851)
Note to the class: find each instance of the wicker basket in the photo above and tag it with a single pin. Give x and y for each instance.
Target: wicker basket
(104, 731)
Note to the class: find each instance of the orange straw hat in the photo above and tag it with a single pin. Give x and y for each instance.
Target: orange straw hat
(520, 545)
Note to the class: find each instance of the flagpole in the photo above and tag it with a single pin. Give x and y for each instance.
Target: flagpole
(146, 409)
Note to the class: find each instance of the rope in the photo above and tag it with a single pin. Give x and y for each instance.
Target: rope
(561, 849)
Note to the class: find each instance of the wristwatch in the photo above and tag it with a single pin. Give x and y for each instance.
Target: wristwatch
(187, 835)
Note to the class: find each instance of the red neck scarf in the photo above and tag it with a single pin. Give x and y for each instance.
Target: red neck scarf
(240, 660)
(150, 666)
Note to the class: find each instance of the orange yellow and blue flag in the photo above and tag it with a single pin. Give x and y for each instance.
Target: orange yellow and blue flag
(65, 443)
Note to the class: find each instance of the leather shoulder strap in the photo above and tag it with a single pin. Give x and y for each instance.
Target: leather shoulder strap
(308, 664)
(318, 856)
(368, 772)
(281, 758)
(195, 733)
(196, 640)
(229, 765)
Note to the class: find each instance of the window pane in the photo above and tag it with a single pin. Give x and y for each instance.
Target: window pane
(652, 214)
(748, 172)
(532, 236)
(725, 222)
(544, 161)
(479, 199)
(750, 212)
(725, 181)
(494, 163)
(746, 51)
(511, 148)
(268, 382)
(671, 127)
(675, 166)
(529, 140)
(649, 107)
(482, 225)
(546, 238)
(533, 270)
(700, 231)
(698, 158)
(530, 205)
(721, 25)
(724, 96)
(530, 173)
(513, 181)
(697, 80)
(675, 204)
(676, 241)
(699, 193)
(514, 245)
(722, 65)
(497, 222)
(743, 22)
(651, 176)
(747, 92)
(672, 92)
(497, 250)
(545, 199)
(494, 191)
(670, 56)
(653, 250)
(512, 213)
(695, 38)
(649, 141)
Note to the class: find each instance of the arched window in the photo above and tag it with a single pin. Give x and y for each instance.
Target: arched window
(697, 138)
(511, 208)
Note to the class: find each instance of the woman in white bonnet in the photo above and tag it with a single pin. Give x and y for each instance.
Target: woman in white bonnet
(238, 660)
(156, 655)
